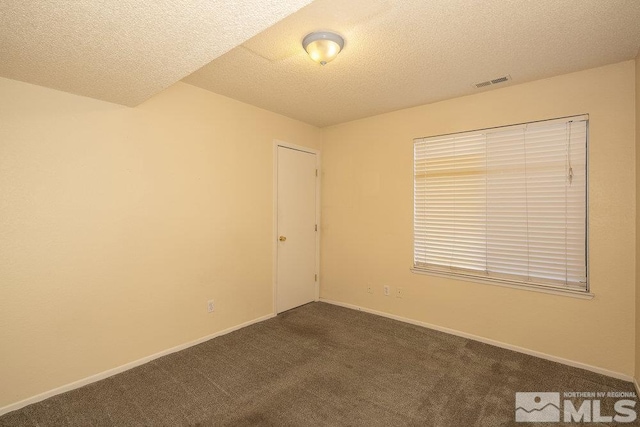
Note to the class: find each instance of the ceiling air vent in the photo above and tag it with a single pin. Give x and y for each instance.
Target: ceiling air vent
(493, 81)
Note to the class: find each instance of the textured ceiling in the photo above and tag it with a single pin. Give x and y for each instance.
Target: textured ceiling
(402, 53)
(124, 51)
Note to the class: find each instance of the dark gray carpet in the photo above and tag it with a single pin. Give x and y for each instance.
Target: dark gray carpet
(319, 365)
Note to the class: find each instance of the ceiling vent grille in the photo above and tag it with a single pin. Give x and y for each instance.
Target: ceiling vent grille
(493, 81)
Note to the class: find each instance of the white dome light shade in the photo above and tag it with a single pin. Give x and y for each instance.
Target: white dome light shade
(323, 47)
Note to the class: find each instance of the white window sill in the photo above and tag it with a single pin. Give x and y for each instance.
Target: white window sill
(497, 282)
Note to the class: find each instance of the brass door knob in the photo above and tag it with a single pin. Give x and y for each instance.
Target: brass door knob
(282, 238)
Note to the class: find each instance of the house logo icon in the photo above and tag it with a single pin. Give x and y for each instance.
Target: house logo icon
(537, 407)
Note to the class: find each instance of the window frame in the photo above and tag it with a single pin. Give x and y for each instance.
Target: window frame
(470, 276)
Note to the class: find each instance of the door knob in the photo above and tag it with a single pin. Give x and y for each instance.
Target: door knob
(282, 238)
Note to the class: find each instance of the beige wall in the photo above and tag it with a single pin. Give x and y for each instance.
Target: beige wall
(117, 224)
(367, 220)
(637, 374)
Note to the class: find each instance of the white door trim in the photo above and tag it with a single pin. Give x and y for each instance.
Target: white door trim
(274, 234)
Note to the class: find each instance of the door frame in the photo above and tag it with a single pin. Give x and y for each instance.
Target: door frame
(274, 237)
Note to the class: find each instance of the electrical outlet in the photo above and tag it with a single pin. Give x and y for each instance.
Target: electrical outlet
(369, 288)
(387, 290)
(210, 307)
(399, 292)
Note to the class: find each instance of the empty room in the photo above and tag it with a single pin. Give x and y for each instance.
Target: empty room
(319, 212)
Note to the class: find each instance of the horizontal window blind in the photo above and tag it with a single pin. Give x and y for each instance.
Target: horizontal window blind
(507, 203)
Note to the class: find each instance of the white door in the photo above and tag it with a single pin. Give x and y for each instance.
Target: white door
(296, 228)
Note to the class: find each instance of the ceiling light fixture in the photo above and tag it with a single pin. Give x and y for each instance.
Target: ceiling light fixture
(323, 46)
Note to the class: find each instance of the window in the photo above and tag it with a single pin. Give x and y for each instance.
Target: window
(507, 204)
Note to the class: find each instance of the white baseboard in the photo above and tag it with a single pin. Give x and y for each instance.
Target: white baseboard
(125, 367)
(635, 383)
(568, 362)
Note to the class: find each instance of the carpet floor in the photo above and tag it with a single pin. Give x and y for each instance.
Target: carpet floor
(316, 365)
